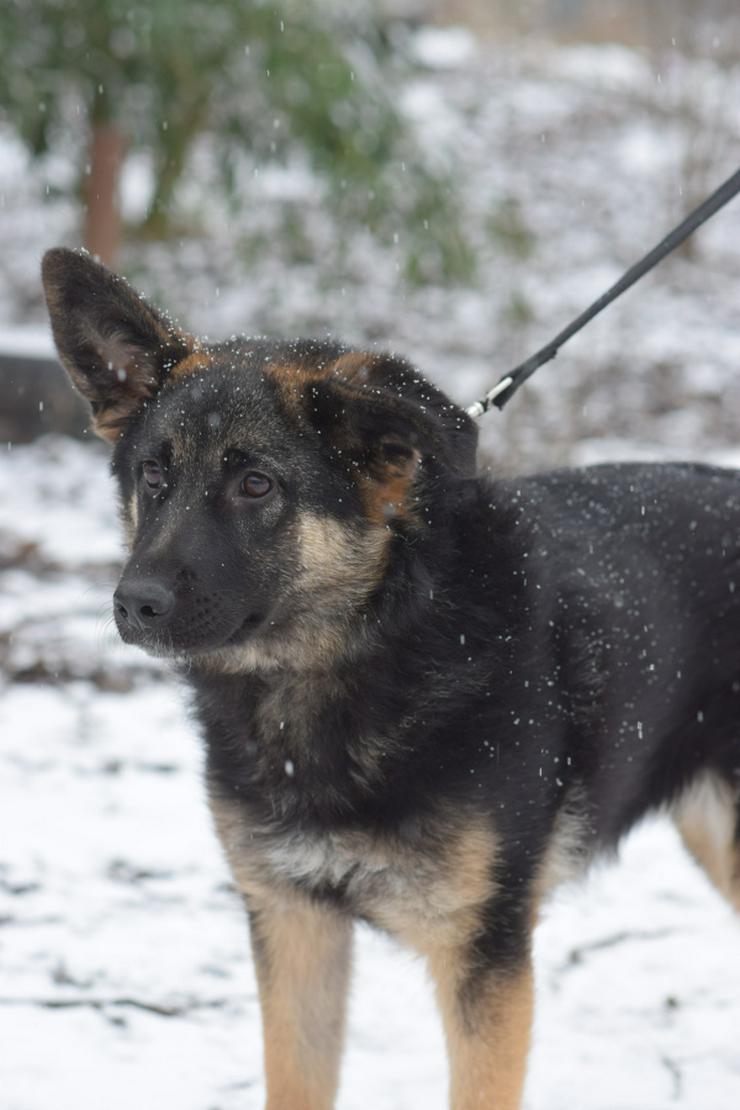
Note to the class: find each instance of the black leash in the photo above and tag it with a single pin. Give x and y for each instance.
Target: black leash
(507, 386)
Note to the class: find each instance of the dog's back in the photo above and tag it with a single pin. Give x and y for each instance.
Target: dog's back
(644, 562)
(642, 567)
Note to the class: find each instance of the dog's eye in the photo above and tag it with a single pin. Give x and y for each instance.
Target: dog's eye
(153, 475)
(255, 484)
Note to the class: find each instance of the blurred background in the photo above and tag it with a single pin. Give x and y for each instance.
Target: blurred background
(450, 179)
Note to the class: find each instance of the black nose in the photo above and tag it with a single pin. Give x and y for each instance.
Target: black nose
(143, 603)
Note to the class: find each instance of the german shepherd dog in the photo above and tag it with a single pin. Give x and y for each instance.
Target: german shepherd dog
(426, 696)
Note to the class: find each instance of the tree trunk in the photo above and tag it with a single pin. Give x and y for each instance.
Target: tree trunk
(102, 212)
(157, 220)
(169, 169)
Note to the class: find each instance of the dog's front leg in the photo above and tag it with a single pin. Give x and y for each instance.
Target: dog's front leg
(487, 1015)
(302, 958)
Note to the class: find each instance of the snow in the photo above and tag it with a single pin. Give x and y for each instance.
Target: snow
(123, 949)
(28, 342)
(613, 67)
(444, 48)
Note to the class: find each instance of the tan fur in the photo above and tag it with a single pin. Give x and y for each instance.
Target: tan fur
(109, 426)
(332, 555)
(445, 913)
(568, 853)
(386, 495)
(487, 1037)
(302, 958)
(112, 349)
(385, 492)
(354, 367)
(129, 362)
(427, 894)
(292, 377)
(706, 816)
(267, 655)
(337, 568)
(193, 363)
(110, 422)
(131, 520)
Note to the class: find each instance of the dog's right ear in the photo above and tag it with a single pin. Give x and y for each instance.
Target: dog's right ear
(115, 347)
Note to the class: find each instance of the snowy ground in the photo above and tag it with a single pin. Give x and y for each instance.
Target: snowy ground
(126, 980)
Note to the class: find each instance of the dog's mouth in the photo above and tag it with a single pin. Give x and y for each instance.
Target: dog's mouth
(188, 642)
(247, 628)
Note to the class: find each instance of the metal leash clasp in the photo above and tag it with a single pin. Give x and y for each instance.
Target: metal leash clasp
(485, 403)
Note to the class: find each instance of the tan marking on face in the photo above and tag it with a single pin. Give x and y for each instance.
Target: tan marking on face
(291, 378)
(338, 566)
(131, 520)
(706, 817)
(488, 1039)
(298, 373)
(193, 363)
(355, 367)
(337, 556)
(307, 646)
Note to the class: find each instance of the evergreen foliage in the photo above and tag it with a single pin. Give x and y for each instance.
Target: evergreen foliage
(269, 79)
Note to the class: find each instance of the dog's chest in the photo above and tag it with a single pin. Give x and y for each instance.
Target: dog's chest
(410, 884)
(360, 868)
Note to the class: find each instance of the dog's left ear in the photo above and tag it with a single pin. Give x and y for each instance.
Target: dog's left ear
(381, 442)
(115, 347)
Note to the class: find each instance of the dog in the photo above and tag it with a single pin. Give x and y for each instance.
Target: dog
(427, 696)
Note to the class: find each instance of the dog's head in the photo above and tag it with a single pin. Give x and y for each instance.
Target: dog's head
(262, 483)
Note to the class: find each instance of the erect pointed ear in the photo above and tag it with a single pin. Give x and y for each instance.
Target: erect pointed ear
(115, 347)
(379, 440)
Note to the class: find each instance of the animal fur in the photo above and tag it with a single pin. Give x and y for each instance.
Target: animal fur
(426, 695)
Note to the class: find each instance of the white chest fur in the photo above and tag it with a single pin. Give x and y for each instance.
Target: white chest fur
(414, 885)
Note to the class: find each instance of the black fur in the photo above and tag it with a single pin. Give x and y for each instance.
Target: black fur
(564, 647)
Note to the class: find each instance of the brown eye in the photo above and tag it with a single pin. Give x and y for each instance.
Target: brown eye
(153, 475)
(255, 484)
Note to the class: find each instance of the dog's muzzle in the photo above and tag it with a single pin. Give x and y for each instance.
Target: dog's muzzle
(143, 604)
